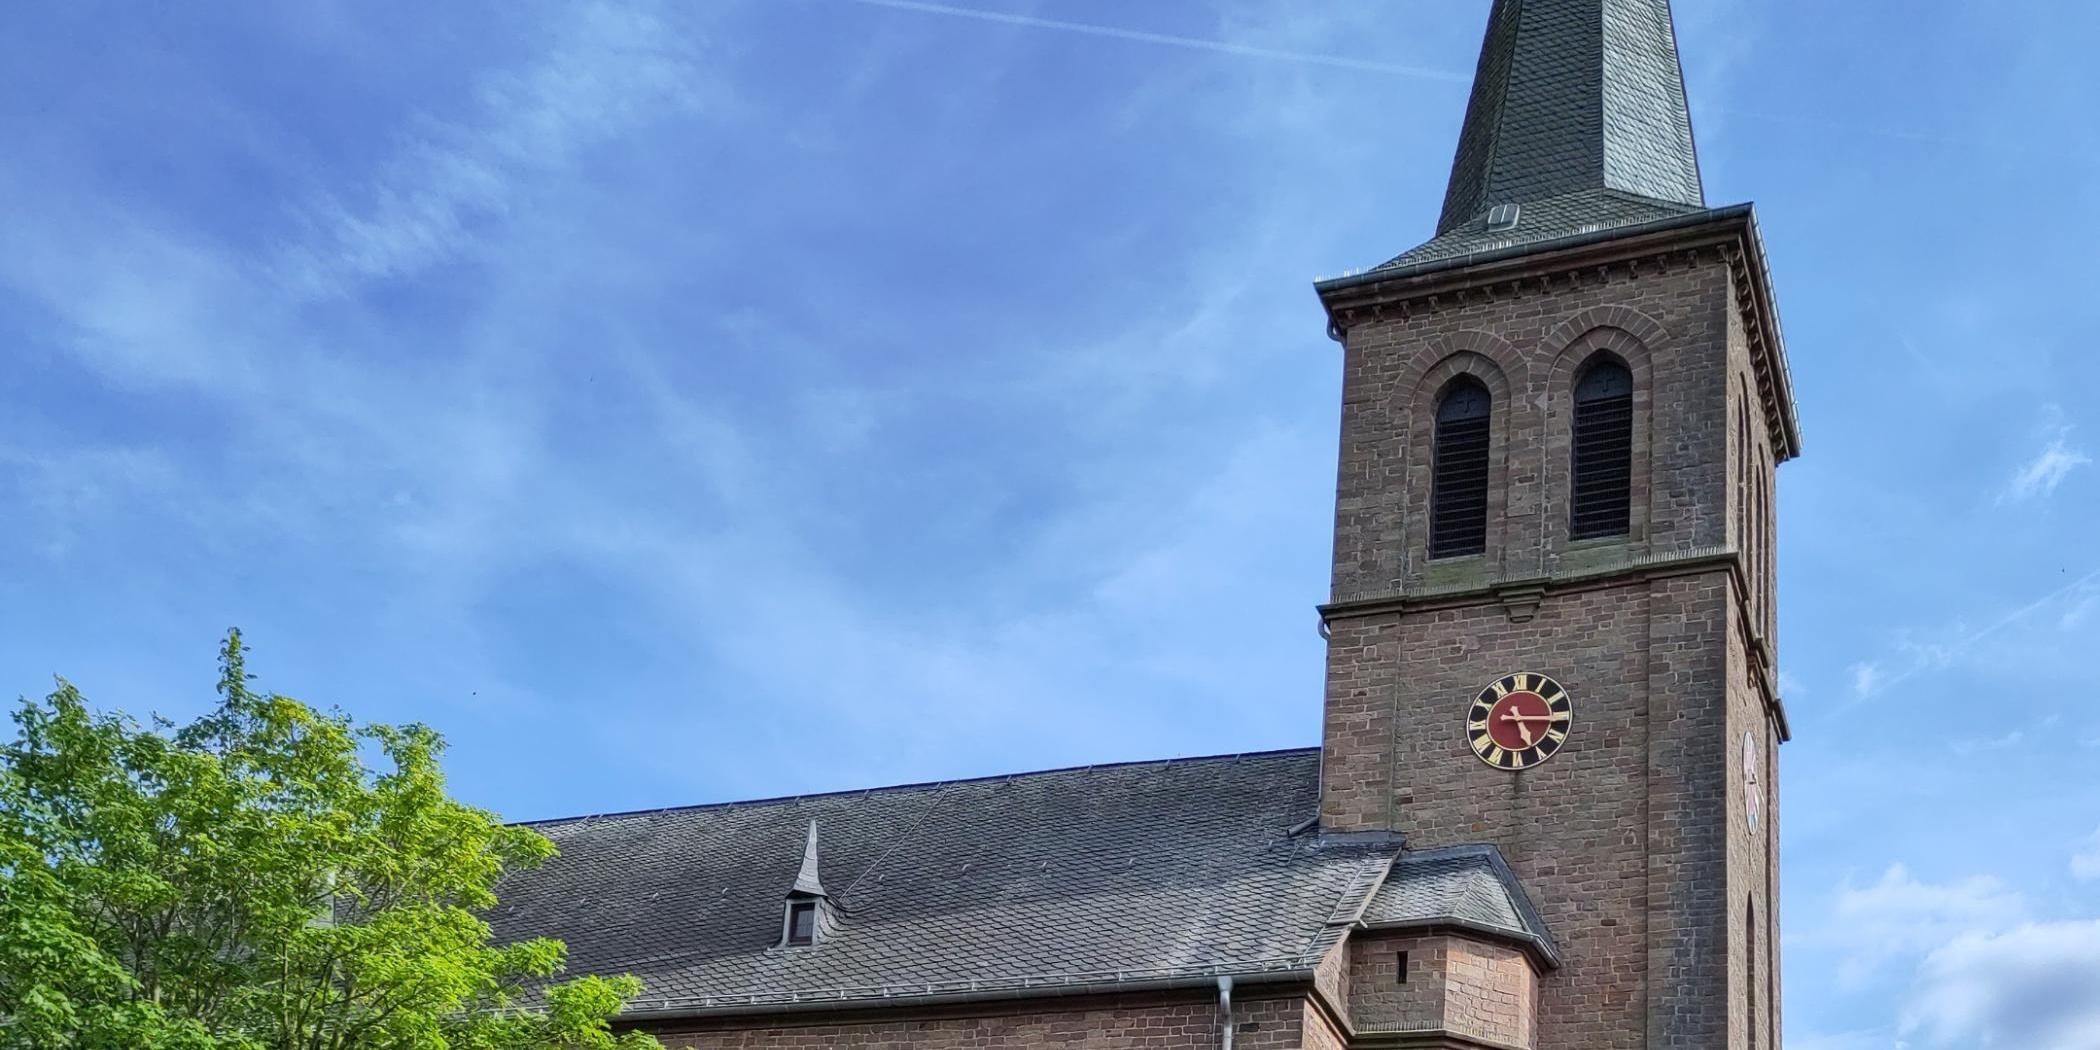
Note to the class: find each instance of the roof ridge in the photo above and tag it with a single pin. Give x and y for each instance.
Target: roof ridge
(1180, 761)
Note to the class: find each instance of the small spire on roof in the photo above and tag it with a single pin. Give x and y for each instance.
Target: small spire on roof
(809, 916)
(807, 883)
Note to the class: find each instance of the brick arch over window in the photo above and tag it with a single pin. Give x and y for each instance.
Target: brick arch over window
(1643, 328)
(1479, 357)
(1571, 362)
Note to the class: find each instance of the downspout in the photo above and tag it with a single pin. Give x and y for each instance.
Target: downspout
(1225, 1013)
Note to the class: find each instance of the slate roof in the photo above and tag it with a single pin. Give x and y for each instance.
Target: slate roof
(1578, 116)
(1082, 877)
(1104, 874)
(1584, 211)
(1467, 887)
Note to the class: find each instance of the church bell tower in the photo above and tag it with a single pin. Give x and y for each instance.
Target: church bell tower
(1552, 622)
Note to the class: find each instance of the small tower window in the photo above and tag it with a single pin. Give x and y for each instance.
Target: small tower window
(802, 922)
(1603, 468)
(1750, 972)
(1458, 502)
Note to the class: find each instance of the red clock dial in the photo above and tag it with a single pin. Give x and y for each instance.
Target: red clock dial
(1519, 721)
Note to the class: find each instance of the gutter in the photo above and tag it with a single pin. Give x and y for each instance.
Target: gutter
(776, 1008)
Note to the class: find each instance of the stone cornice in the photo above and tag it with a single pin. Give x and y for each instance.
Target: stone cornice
(1522, 597)
(1726, 235)
(1425, 1039)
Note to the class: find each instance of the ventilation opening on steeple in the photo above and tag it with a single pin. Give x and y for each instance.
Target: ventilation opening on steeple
(1603, 453)
(1502, 218)
(1458, 499)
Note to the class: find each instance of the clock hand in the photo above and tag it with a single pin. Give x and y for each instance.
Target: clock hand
(1523, 728)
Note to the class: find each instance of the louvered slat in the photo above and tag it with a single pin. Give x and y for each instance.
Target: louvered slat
(1459, 501)
(1603, 481)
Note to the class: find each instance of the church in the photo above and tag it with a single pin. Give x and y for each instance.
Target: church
(1542, 815)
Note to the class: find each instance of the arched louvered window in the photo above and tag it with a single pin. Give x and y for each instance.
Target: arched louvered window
(1458, 503)
(1603, 469)
(1750, 972)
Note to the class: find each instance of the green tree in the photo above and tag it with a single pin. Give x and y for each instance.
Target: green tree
(270, 877)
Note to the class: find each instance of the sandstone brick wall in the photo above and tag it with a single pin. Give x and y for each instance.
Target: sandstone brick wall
(1490, 993)
(1631, 840)
(1672, 329)
(1320, 1034)
(1379, 1000)
(1753, 853)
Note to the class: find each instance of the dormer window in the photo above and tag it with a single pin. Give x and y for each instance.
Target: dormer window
(802, 923)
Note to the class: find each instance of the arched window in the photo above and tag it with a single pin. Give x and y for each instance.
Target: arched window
(1603, 469)
(1750, 973)
(1769, 498)
(1458, 502)
(1742, 471)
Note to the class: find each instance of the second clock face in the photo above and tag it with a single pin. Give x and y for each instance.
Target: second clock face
(1519, 721)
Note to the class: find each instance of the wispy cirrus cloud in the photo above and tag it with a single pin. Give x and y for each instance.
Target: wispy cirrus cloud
(2040, 475)
(608, 69)
(1916, 652)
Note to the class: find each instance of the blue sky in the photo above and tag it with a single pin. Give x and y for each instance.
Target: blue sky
(732, 399)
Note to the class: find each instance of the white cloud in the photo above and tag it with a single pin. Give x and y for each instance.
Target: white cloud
(1966, 748)
(2085, 864)
(2082, 602)
(2034, 987)
(1898, 915)
(2040, 476)
(1866, 678)
(611, 70)
(1859, 1040)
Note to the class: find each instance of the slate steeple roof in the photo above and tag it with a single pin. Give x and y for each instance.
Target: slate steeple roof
(1578, 119)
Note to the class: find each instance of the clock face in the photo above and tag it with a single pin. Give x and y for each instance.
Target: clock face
(1519, 721)
(1753, 786)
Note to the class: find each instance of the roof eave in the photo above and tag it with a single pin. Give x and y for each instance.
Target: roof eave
(1527, 249)
(1543, 954)
(775, 1006)
(1737, 222)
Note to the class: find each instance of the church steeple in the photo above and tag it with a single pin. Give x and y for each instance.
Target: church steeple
(1578, 121)
(1554, 522)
